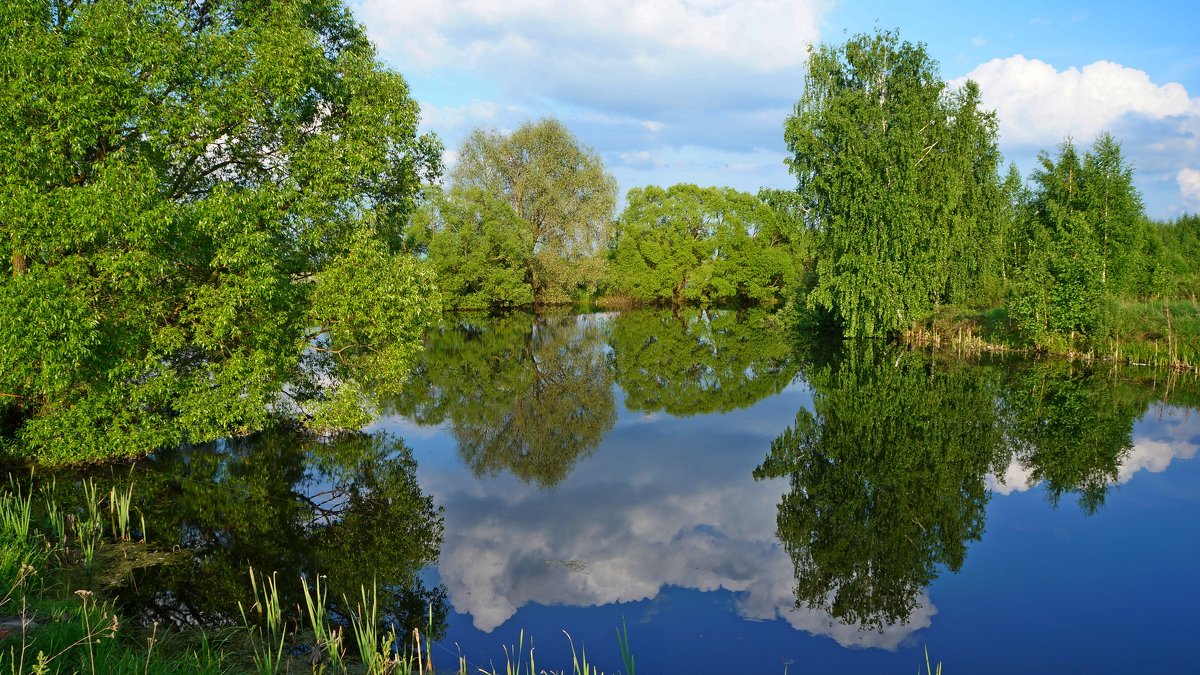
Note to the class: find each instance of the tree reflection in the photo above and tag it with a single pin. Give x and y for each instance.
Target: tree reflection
(694, 361)
(524, 394)
(887, 479)
(349, 509)
(1071, 427)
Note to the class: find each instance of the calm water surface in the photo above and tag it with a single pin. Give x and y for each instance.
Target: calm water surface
(742, 501)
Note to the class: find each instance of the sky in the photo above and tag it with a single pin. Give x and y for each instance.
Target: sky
(697, 91)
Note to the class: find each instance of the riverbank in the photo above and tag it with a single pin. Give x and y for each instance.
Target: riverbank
(1157, 334)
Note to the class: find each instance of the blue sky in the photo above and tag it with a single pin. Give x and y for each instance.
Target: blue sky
(697, 91)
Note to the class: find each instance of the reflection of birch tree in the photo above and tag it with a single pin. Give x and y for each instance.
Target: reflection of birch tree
(1072, 427)
(888, 480)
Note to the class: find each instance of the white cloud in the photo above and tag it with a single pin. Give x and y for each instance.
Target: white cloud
(1189, 186)
(1039, 104)
(652, 36)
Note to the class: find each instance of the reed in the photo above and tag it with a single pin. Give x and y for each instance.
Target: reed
(119, 504)
(327, 640)
(267, 633)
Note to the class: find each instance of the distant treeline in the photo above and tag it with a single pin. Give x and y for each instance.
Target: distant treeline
(902, 208)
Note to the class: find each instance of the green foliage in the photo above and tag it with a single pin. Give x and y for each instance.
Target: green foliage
(176, 176)
(691, 361)
(898, 180)
(531, 395)
(706, 245)
(480, 249)
(1071, 427)
(348, 508)
(558, 194)
(1084, 236)
(887, 479)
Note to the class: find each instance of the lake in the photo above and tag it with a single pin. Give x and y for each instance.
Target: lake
(739, 499)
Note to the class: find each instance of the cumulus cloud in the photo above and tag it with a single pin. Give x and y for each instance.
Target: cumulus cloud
(625, 75)
(1039, 104)
(643, 35)
(1189, 186)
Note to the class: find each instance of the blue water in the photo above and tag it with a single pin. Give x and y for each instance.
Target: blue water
(663, 529)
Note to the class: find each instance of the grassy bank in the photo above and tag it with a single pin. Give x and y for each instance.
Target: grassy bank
(1159, 334)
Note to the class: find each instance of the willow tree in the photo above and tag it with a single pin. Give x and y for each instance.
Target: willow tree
(898, 178)
(192, 199)
(557, 189)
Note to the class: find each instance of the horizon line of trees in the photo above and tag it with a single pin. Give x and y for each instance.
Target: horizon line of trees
(902, 206)
(217, 219)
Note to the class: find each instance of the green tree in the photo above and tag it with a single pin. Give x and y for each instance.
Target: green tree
(692, 244)
(559, 192)
(1115, 209)
(195, 197)
(480, 249)
(898, 179)
(531, 395)
(887, 479)
(1086, 238)
(692, 361)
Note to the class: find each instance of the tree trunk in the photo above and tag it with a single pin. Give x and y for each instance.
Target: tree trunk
(18, 263)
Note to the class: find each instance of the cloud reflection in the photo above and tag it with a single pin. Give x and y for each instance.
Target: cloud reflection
(677, 507)
(1161, 437)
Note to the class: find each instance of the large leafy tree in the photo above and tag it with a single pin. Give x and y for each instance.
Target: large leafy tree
(693, 244)
(559, 193)
(898, 178)
(195, 222)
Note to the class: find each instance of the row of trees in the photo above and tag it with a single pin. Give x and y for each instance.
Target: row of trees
(900, 187)
(527, 219)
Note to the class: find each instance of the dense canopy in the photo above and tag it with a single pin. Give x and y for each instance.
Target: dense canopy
(196, 202)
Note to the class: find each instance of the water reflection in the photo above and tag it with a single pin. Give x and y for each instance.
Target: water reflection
(887, 475)
(527, 394)
(348, 508)
(1071, 426)
(694, 361)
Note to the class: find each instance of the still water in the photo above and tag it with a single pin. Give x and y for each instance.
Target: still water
(740, 500)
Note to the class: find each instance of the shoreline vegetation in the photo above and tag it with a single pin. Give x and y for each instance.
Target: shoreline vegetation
(52, 552)
(175, 278)
(1161, 334)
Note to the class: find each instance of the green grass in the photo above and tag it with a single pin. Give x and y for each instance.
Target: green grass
(1156, 333)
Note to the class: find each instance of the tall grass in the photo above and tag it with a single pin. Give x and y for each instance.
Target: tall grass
(267, 632)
